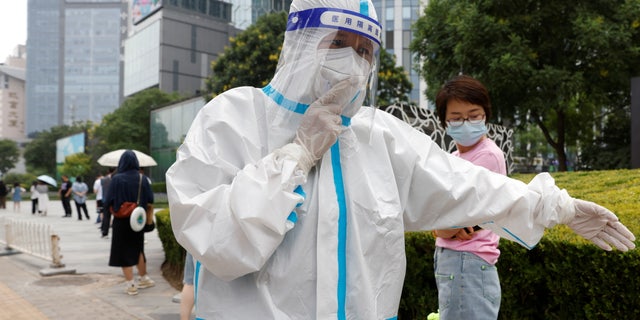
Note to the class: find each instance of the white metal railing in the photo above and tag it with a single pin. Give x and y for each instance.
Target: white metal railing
(427, 121)
(33, 238)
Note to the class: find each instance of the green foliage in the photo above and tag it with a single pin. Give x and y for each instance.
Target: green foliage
(612, 149)
(24, 179)
(553, 63)
(174, 253)
(563, 277)
(252, 58)
(419, 294)
(529, 142)
(9, 155)
(393, 82)
(40, 153)
(78, 164)
(159, 187)
(617, 190)
(584, 282)
(128, 126)
(522, 278)
(555, 280)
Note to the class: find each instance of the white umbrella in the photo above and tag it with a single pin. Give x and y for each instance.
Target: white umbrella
(48, 180)
(111, 159)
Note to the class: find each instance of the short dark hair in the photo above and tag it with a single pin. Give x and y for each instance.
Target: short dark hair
(462, 88)
(79, 179)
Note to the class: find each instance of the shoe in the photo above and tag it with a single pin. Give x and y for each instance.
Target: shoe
(131, 288)
(145, 282)
(104, 236)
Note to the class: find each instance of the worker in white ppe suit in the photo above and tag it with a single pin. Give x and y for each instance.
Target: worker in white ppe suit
(294, 200)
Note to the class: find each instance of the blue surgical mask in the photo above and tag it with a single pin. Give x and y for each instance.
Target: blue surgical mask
(468, 133)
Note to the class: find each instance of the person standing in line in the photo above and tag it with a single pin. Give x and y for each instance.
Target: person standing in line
(43, 197)
(97, 189)
(127, 246)
(295, 200)
(65, 196)
(465, 258)
(106, 214)
(17, 192)
(3, 195)
(79, 190)
(34, 197)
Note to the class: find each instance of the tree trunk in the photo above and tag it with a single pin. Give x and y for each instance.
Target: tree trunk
(558, 145)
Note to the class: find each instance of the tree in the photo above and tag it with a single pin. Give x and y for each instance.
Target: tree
(77, 164)
(252, 58)
(40, 153)
(611, 150)
(128, 126)
(393, 84)
(556, 64)
(9, 155)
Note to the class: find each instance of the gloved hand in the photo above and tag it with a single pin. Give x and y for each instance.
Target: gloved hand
(321, 124)
(600, 226)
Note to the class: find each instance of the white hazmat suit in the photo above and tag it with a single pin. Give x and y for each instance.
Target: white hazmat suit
(285, 230)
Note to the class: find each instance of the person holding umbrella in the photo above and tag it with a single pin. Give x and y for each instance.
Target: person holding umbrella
(44, 181)
(43, 197)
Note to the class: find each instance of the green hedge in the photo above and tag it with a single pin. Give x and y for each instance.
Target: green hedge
(174, 253)
(555, 280)
(563, 277)
(159, 187)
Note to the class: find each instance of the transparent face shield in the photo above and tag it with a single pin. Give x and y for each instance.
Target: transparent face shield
(347, 56)
(322, 47)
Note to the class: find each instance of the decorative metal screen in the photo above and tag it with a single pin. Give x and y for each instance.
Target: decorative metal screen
(426, 121)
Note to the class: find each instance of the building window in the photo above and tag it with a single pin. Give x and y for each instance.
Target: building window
(175, 75)
(193, 44)
(202, 6)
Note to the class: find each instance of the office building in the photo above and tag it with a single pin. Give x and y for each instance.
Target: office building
(171, 44)
(397, 17)
(12, 97)
(74, 70)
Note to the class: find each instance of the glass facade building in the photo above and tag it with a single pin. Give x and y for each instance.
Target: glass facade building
(397, 17)
(172, 46)
(169, 126)
(74, 69)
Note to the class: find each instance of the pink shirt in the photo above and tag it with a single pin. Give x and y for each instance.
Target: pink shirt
(484, 242)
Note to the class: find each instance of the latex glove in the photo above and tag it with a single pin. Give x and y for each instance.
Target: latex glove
(600, 226)
(321, 124)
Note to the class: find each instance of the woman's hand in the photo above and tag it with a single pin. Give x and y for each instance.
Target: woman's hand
(460, 233)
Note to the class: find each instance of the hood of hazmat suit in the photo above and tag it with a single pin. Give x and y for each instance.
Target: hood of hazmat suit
(333, 42)
(274, 242)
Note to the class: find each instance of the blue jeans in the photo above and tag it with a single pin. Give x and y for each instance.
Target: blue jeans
(468, 286)
(188, 273)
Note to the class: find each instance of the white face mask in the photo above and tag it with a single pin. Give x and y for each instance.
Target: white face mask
(337, 65)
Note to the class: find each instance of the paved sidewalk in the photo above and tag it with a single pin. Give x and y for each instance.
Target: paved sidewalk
(95, 291)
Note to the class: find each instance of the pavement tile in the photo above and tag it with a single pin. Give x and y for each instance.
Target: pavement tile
(95, 291)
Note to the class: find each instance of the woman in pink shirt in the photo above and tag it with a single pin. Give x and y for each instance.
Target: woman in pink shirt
(465, 258)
